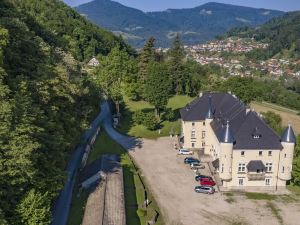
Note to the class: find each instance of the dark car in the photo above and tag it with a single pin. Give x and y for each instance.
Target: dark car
(189, 160)
(206, 182)
(199, 177)
(204, 189)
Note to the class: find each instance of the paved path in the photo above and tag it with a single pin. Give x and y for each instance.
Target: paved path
(129, 143)
(62, 205)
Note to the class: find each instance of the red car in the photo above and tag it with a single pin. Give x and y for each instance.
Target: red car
(207, 182)
(206, 179)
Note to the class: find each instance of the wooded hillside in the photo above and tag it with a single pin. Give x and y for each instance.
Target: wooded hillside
(45, 101)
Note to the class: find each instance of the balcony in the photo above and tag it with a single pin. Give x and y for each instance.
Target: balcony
(256, 170)
(256, 175)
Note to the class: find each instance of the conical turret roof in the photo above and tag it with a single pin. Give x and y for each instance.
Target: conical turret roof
(209, 114)
(288, 135)
(227, 136)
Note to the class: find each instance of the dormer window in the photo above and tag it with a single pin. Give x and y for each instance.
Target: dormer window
(256, 133)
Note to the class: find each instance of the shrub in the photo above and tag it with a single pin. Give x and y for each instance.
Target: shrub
(169, 115)
(138, 117)
(150, 121)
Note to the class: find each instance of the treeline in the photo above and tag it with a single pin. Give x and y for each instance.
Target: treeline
(46, 102)
(249, 89)
(155, 77)
(152, 76)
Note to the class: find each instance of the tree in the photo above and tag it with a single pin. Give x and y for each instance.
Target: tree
(34, 209)
(2, 218)
(176, 66)
(158, 86)
(296, 163)
(111, 75)
(146, 56)
(274, 121)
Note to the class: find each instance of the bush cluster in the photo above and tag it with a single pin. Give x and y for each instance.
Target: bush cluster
(146, 119)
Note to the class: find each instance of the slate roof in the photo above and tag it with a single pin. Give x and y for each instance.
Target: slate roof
(112, 163)
(244, 124)
(255, 165)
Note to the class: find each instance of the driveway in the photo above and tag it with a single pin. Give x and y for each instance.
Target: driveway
(172, 183)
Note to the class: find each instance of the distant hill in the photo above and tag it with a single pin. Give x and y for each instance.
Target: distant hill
(282, 33)
(196, 25)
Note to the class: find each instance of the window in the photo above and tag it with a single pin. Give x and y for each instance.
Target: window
(285, 155)
(268, 167)
(270, 153)
(203, 144)
(242, 167)
(282, 171)
(241, 181)
(203, 134)
(268, 181)
(193, 135)
(242, 153)
(260, 153)
(193, 145)
(222, 168)
(203, 123)
(193, 124)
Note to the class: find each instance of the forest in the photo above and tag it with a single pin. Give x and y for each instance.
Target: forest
(46, 101)
(282, 33)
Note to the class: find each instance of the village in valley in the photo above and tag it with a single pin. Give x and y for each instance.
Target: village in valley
(228, 54)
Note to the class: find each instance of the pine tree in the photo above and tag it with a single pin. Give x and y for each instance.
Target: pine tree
(176, 66)
(146, 56)
(158, 86)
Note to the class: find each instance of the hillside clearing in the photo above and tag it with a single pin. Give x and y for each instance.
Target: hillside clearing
(287, 115)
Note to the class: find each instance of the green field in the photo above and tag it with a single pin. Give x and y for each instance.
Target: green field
(133, 188)
(128, 127)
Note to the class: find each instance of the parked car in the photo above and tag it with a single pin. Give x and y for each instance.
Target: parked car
(207, 183)
(204, 189)
(189, 160)
(195, 166)
(185, 152)
(198, 177)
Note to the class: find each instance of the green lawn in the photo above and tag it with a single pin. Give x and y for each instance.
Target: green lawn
(260, 196)
(128, 127)
(133, 189)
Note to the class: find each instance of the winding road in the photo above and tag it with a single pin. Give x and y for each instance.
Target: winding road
(62, 205)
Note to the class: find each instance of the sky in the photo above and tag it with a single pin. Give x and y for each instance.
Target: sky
(159, 5)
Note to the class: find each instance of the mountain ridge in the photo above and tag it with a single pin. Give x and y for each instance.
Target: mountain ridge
(195, 25)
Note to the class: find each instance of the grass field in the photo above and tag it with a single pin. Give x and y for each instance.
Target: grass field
(287, 115)
(128, 127)
(133, 188)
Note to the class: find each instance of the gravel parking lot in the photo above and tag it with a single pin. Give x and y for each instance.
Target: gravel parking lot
(172, 183)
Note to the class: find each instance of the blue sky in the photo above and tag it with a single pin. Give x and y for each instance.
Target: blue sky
(158, 5)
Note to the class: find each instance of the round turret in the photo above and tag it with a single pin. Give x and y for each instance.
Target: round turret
(288, 141)
(226, 143)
